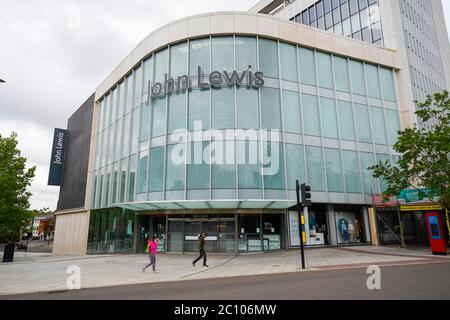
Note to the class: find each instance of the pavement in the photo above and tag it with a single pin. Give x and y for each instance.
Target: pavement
(41, 272)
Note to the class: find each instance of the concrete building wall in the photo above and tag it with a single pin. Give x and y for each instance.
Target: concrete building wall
(71, 233)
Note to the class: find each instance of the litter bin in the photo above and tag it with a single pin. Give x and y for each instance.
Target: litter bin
(8, 253)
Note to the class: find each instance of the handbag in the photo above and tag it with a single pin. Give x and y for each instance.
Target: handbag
(147, 250)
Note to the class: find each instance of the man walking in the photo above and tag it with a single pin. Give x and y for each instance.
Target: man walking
(201, 248)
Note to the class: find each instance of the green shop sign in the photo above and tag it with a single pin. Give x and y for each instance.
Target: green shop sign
(415, 196)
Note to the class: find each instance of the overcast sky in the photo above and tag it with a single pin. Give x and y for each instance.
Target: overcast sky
(54, 53)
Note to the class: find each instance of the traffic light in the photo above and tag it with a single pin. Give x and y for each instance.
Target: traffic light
(306, 195)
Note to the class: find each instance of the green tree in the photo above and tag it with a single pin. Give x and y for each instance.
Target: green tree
(14, 180)
(425, 153)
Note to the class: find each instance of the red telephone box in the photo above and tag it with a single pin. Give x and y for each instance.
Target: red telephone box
(436, 233)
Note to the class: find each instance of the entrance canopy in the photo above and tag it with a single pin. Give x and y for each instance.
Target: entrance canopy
(210, 204)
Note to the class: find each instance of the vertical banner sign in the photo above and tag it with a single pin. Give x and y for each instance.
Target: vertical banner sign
(57, 160)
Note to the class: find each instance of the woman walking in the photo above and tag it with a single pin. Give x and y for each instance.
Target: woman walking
(151, 249)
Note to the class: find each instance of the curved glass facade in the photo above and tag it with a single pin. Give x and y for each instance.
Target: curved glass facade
(333, 118)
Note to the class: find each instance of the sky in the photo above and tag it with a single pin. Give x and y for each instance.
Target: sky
(54, 53)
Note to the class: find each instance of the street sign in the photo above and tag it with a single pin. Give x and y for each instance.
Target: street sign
(425, 207)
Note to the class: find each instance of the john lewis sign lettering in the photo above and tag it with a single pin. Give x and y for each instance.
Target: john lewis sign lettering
(246, 78)
(57, 158)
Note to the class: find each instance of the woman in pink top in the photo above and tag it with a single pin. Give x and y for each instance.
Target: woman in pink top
(153, 244)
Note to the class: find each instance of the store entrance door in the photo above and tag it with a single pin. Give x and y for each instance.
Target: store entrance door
(196, 226)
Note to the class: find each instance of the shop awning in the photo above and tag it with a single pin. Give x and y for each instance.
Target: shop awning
(210, 204)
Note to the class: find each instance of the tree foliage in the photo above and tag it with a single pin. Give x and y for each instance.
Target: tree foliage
(15, 178)
(425, 153)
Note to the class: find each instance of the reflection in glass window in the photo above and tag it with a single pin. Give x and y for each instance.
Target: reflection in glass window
(351, 171)
(199, 109)
(249, 175)
(274, 165)
(288, 60)
(198, 166)
(329, 118)
(295, 164)
(178, 60)
(369, 182)
(177, 112)
(311, 112)
(383, 158)
(159, 117)
(291, 107)
(199, 55)
(245, 53)
(131, 178)
(387, 80)
(307, 66)
(379, 128)
(222, 54)
(363, 123)
(160, 65)
(247, 108)
(142, 173)
(325, 70)
(268, 57)
(175, 168)
(156, 169)
(314, 167)
(346, 121)
(341, 74)
(270, 108)
(223, 108)
(333, 167)
(357, 76)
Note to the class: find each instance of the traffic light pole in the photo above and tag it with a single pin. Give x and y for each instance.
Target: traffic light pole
(300, 209)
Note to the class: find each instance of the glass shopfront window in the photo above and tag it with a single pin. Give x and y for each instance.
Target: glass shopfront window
(318, 230)
(349, 224)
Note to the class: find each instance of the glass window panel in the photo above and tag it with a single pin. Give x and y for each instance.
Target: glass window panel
(383, 158)
(199, 55)
(198, 167)
(338, 29)
(376, 31)
(341, 74)
(223, 108)
(334, 175)
(327, 5)
(346, 28)
(369, 182)
(122, 96)
(295, 164)
(291, 107)
(246, 53)
(357, 76)
(270, 108)
(126, 136)
(351, 171)
(129, 98)
(393, 125)
(131, 178)
(114, 183)
(379, 128)
(160, 65)
(274, 165)
(177, 112)
(137, 87)
(107, 114)
(123, 179)
(223, 176)
(106, 191)
(175, 167)
(387, 81)
(268, 57)
(311, 112)
(307, 66)
(336, 16)
(178, 60)
(159, 117)
(142, 173)
(357, 35)
(374, 13)
(114, 104)
(199, 108)
(156, 169)
(344, 11)
(366, 35)
(329, 118)
(328, 21)
(325, 70)
(353, 6)
(145, 123)
(117, 149)
(312, 13)
(346, 121)
(319, 9)
(247, 108)
(249, 175)
(362, 4)
(321, 23)
(222, 54)
(314, 167)
(363, 123)
(305, 18)
(148, 73)
(365, 20)
(372, 81)
(356, 25)
(288, 62)
(135, 131)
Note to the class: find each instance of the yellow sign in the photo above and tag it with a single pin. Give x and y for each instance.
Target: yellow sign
(425, 207)
(303, 219)
(304, 237)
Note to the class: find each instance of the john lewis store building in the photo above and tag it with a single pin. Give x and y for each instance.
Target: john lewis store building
(207, 124)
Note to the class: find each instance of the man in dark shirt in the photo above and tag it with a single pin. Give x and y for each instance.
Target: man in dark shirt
(201, 248)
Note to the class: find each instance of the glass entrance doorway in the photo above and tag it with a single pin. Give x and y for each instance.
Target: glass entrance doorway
(184, 231)
(148, 226)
